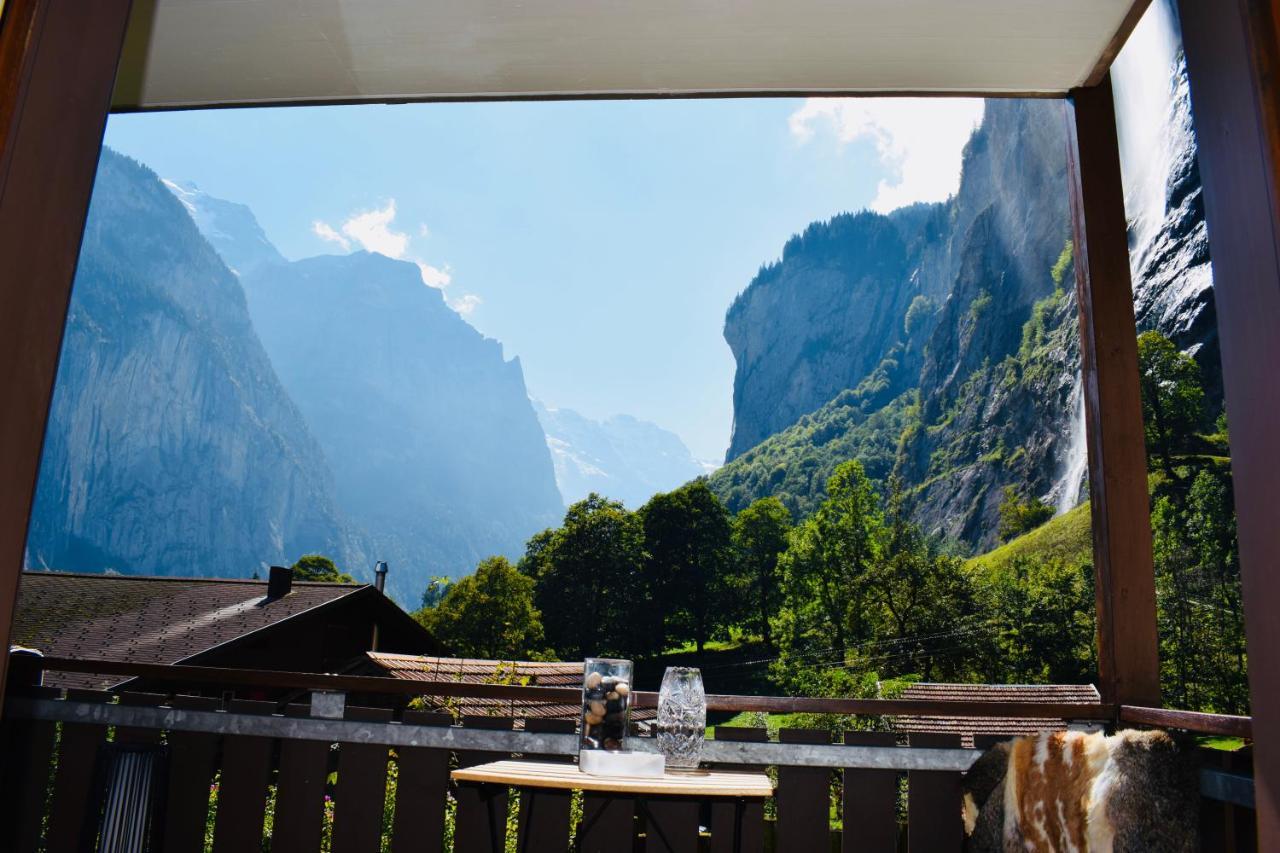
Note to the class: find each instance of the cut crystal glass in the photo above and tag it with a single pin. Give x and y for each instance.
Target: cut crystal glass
(682, 717)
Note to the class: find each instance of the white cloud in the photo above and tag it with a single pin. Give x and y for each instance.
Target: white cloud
(325, 231)
(465, 304)
(919, 141)
(373, 231)
(434, 276)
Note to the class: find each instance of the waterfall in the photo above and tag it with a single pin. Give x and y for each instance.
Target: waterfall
(1065, 493)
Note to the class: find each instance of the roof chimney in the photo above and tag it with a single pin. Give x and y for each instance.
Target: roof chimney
(279, 582)
(380, 574)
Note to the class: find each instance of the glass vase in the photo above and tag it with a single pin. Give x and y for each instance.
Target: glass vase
(606, 704)
(682, 718)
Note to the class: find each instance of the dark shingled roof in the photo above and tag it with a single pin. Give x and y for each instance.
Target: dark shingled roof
(148, 619)
(480, 671)
(967, 727)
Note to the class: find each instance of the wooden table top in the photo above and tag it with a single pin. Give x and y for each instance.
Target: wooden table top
(564, 775)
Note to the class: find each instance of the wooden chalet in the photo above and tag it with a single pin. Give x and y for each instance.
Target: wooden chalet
(243, 624)
(66, 64)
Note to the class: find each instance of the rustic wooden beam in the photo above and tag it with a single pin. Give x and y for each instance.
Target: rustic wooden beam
(154, 675)
(1128, 652)
(1233, 64)
(1227, 725)
(57, 63)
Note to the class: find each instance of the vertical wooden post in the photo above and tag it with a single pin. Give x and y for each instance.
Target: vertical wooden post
(1233, 64)
(57, 63)
(1128, 651)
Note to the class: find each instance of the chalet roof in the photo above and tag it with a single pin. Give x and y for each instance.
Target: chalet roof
(482, 671)
(218, 52)
(968, 727)
(149, 619)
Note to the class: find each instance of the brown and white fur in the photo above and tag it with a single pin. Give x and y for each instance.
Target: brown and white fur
(1071, 792)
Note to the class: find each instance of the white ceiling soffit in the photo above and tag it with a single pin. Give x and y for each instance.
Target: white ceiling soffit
(184, 53)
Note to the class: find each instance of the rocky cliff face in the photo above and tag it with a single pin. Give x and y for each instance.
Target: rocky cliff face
(171, 448)
(979, 387)
(623, 457)
(435, 448)
(815, 322)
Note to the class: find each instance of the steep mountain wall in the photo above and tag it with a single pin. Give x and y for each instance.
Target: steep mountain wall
(985, 391)
(172, 448)
(434, 444)
(815, 322)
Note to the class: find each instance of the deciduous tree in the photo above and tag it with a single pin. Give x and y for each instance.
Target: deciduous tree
(489, 614)
(760, 536)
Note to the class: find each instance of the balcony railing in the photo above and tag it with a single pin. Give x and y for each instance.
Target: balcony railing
(312, 771)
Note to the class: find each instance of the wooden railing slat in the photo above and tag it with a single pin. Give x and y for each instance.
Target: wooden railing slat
(193, 758)
(361, 790)
(608, 823)
(724, 815)
(24, 779)
(544, 814)
(671, 825)
(934, 823)
(139, 734)
(299, 817)
(870, 801)
(421, 790)
(242, 789)
(73, 779)
(481, 821)
(803, 798)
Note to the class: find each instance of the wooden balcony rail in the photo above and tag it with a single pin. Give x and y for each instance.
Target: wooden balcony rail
(360, 684)
(267, 772)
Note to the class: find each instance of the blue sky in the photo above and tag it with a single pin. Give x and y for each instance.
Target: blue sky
(601, 242)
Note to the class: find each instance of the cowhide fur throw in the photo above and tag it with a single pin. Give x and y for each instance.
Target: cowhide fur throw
(1071, 791)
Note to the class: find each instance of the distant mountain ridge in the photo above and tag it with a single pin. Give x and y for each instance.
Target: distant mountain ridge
(623, 457)
(436, 451)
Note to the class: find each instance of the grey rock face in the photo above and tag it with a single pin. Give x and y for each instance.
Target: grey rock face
(435, 448)
(1173, 279)
(172, 447)
(991, 411)
(815, 322)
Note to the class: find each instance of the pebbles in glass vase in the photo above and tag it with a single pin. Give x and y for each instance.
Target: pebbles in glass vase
(682, 718)
(606, 704)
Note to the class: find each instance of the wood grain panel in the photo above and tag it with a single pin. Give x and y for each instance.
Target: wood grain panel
(300, 782)
(481, 821)
(738, 825)
(544, 814)
(1128, 654)
(58, 62)
(1233, 66)
(361, 790)
(934, 823)
(193, 757)
(803, 798)
(421, 791)
(242, 788)
(870, 801)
